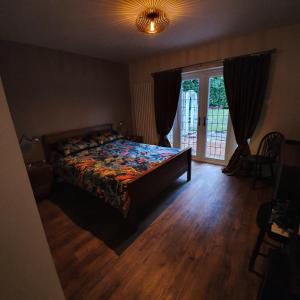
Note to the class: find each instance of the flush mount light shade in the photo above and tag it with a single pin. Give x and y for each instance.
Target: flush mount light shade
(151, 21)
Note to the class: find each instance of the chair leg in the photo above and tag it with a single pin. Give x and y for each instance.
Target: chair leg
(255, 175)
(260, 176)
(272, 173)
(256, 249)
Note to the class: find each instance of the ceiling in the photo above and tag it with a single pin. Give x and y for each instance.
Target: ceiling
(106, 28)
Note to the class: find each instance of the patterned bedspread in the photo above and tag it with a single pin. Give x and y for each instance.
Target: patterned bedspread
(106, 170)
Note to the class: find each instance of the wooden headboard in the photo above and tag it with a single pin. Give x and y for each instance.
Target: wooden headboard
(49, 140)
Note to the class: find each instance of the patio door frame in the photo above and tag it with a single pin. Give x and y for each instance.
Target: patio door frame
(203, 76)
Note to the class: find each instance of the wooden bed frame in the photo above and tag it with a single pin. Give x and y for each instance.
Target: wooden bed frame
(145, 187)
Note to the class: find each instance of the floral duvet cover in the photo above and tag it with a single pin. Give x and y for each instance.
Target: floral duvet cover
(106, 170)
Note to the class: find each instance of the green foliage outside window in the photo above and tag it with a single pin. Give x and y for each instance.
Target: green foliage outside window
(188, 85)
(217, 96)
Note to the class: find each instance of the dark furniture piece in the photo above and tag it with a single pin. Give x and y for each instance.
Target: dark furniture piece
(267, 155)
(134, 138)
(284, 210)
(262, 222)
(145, 187)
(282, 278)
(41, 178)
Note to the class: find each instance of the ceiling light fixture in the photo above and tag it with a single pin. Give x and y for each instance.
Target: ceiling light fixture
(152, 20)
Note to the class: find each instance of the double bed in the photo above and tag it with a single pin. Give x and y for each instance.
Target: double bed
(123, 173)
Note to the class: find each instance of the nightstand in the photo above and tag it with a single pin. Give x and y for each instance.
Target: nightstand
(41, 178)
(134, 138)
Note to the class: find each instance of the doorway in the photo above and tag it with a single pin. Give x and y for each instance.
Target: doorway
(202, 120)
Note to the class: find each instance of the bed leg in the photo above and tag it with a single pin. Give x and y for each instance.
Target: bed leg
(189, 162)
(189, 175)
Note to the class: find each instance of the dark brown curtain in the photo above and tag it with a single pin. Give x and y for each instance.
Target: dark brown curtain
(245, 84)
(166, 94)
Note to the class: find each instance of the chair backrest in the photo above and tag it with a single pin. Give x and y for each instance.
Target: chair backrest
(270, 145)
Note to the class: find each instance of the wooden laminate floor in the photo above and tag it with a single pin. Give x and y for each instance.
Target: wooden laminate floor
(196, 245)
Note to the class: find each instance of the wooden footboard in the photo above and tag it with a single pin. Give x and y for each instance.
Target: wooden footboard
(146, 187)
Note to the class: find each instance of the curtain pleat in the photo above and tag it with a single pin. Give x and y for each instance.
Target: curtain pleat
(166, 95)
(245, 81)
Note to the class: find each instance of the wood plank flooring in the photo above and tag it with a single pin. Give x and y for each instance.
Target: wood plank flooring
(197, 245)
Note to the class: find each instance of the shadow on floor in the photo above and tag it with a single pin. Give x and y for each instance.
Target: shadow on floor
(105, 222)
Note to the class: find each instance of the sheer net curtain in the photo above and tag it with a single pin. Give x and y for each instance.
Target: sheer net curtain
(143, 114)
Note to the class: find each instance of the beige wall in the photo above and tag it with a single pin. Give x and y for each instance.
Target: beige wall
(281, 110)
(49, 90)
(27, 269)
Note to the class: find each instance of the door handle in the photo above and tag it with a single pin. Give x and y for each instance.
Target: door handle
(199, 121)
(204, 121)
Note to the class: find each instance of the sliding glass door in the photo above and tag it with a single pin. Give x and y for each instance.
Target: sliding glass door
(202, 121)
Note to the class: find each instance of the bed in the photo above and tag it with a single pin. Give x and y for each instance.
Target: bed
(124, 174)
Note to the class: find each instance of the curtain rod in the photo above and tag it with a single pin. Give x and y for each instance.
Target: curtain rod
(220, 60)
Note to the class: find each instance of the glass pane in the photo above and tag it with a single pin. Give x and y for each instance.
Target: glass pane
(189, 114)
(217, 119)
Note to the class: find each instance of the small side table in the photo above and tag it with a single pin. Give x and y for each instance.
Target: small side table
(41, 178)
(134, 138)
